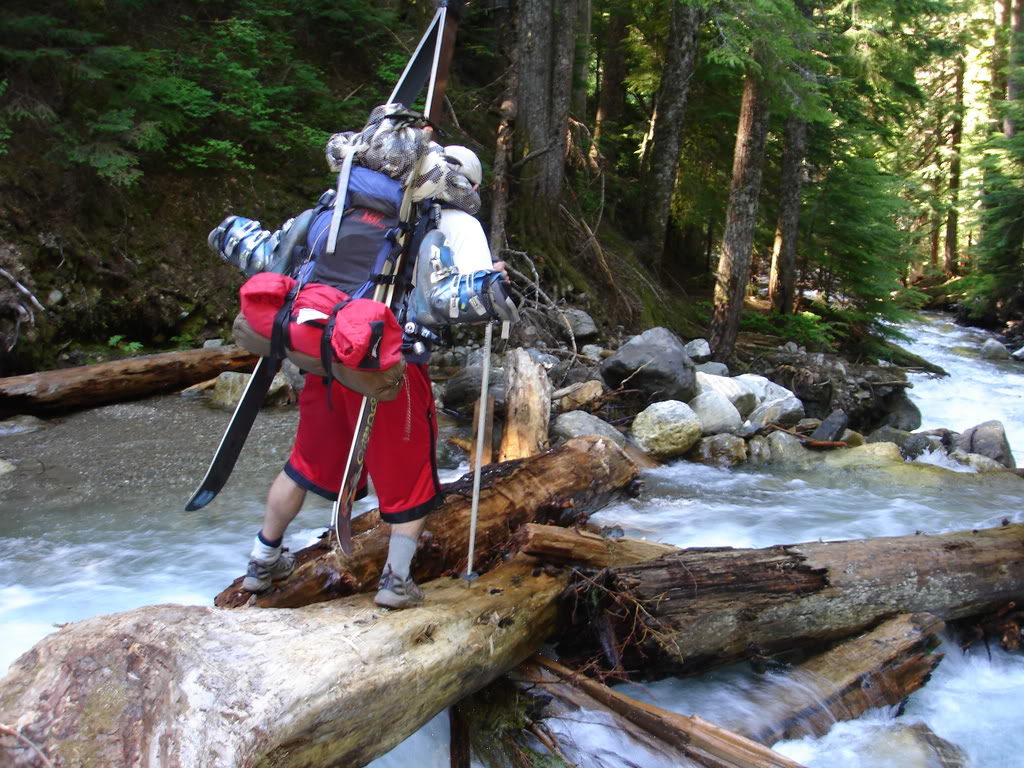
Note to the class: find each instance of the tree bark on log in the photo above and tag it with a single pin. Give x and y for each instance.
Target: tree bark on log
(703, 607)
(581, 474)
(692, 738)
(88, 386)
(550, 543)
(877, 669)
(527, 407)
(336, 683)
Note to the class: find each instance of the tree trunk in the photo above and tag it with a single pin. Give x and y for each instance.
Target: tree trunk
(782, 281)
(689, 739)
(704, 607)
(332, 684)
(740, 220)
(1014, 83)
(669, 113)
(997, 64)
(949, 264)
(611, 103)
(527, 407)
(580, 475)
(581, 59)
(877, 669)
(504, 144)
(546, 47)
(90, 385)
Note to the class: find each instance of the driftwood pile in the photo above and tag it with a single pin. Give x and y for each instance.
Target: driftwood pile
(313, 674)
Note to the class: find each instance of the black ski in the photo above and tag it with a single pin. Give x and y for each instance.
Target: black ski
(235, 435)
(420, 67)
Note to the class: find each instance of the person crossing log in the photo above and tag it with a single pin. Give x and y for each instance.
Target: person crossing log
(582, 474)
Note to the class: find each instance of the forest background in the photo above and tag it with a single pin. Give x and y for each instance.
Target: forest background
(656, 162)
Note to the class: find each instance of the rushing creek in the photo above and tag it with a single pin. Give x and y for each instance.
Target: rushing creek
(91, 522)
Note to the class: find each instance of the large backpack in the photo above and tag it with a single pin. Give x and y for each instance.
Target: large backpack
(310, 305)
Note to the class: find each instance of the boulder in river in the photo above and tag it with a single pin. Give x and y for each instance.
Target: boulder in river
(654, 362)
(988, 439)
(667, 429)
(993, 350)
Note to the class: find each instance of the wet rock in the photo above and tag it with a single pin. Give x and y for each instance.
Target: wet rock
(463, 389)
(993, 350)
(870, 454)
(831, 428)
(713, 368)
(699, 350)
(903, 413)
(759, 451)
(738, 392)
(1018, 355)
(582, 324)
(656, 363)
(765, 389)
(785, 412)
(230, 386)
(888, 434)
(988, 439)
(977, 462)
(852, 439)
(721, 450)
(913, 746)
(576, 423)
(666, 429)
(919, 443)
(716, 413)
(871, 395)
(786, 449)
(21, 425)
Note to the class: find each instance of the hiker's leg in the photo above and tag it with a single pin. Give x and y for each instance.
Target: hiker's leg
(401, 462)
(283, 503)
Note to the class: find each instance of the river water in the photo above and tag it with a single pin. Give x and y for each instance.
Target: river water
(91, 523)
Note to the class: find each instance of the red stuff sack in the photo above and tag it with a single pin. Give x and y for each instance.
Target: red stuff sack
(363, 340)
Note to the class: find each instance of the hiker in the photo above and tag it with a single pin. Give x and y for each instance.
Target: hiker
(400, 456)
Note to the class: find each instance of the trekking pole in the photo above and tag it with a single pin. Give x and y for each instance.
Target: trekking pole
(485, 388)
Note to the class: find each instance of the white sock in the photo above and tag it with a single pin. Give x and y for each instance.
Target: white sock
(263, 552)
(401, 549)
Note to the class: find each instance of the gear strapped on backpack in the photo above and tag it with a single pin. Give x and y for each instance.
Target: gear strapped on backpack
(393, 150)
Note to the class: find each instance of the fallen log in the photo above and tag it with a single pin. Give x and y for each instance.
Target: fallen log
(527, 407)
(87, 386)
(582, 474)
(566, 546)
(336, 683)
(702, 607)
(689, 739)
(877, 669)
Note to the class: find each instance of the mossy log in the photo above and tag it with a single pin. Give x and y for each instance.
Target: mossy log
(87, 386)
(582, 474)
(687, 739)
(876, 669)
(336, 683)
(702, 607)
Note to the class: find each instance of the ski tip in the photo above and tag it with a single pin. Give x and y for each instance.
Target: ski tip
(199, 500)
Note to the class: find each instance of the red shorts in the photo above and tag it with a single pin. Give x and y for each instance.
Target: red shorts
(399, 458)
